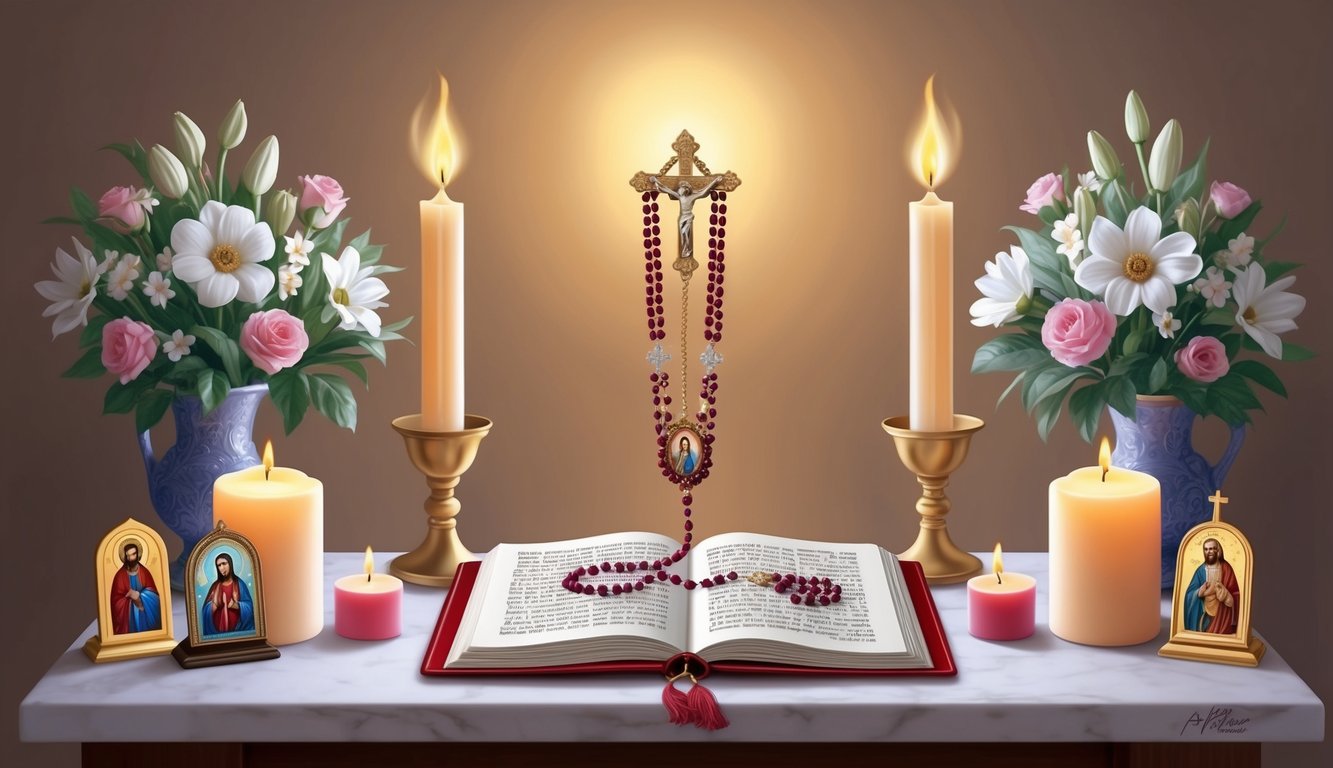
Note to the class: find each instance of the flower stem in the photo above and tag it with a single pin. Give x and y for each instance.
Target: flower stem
(1143, 164)
(222, 164)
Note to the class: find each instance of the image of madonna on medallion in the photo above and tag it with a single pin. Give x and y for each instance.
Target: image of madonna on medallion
(685, 450)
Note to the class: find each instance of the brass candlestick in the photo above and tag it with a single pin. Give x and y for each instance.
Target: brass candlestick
(932, 457)
(442, 457)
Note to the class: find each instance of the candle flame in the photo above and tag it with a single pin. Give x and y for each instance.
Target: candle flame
(370, 563)
(268, 457)
(997, 562)
(434, 139)
(1104, 457)
(934, 150)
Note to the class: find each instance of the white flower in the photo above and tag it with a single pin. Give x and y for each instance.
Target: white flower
(73, 292)
(1006, 289)
(298, 251)
(1132, 267)
(288, 281)
(158, 289)
(178, 345)
(353, 292)
(1214, 288)
(1239, 252)
(163, 261)
(121, 280)
(1089, 181)
(1070, 239)
(1166, 324)
(109, 259)
(220, 253)
(1266, 312)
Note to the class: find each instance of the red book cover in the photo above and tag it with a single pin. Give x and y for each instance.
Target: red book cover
(442, 639)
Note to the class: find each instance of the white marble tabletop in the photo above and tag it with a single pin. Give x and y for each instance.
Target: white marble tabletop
(333, 689)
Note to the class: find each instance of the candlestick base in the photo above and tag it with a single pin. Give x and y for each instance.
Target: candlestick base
(442, 457)
(932, 457)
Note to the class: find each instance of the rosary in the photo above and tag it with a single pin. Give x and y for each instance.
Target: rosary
(685, 446)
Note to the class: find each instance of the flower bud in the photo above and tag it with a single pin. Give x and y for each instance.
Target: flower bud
(1136, 118)
(1104, 160)
(280, 211)
(1187, 216)
(1164, 162)
(233, 127)
(1085, 208)
(262, 169)
(167, 173)
(189, 140)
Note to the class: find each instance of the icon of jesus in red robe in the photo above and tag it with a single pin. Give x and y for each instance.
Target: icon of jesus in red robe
(136, 605)
(1212, 599)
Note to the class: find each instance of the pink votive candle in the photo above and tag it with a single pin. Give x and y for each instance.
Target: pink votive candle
(368, 608)
(1003, 608)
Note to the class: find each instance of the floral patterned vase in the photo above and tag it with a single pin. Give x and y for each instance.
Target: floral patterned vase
(208, 446)
(1159, 442)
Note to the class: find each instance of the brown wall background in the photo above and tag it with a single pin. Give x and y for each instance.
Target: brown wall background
(561, 103)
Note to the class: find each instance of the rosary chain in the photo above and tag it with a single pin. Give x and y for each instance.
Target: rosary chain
(684, 342)
(668, 165)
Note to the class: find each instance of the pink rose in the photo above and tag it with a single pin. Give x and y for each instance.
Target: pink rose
(1042, 192)
(1077, 331)
(324, 193)
(125, 209)
(128, 346)
(1229, 199)
(1203, 359)
(274, 340)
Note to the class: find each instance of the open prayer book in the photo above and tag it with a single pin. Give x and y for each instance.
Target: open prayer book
(518, 616)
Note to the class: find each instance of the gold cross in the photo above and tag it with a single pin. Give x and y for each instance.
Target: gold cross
(1218, 500)
(686, 187)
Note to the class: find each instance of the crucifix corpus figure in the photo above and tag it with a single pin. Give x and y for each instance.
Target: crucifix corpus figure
(685, 262)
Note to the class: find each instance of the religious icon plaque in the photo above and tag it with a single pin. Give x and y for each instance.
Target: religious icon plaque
(1210, 608)
(133, 595)
(224, 603)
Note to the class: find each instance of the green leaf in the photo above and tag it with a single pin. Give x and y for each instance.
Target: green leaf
(185, 371)
(152, 406)
(1260, 374)
(333, 398)
(1188, 184)
(120, 398)
(1017, 380)
(1135, 340)
(1054, 380)
(227, 350)
(82, 205)
(1048, 413)
(375, 348)
(1157, 377)
(398, 326)
(1009, 352)
(87, 367)
(1120, 395)
(1127, 363)
(360, 243)
(1223, 317)
(1116, 201)
(1275, 269)
(1232, 228)
(212, 387)
(93, 333)
(1294, 352)
(136, 155)
(291, 395)
(1047, 265)
(1085, 408)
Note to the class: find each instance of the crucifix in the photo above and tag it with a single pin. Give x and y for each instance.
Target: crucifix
(685, 188)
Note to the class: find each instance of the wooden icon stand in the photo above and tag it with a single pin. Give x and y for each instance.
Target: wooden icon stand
(240, 578)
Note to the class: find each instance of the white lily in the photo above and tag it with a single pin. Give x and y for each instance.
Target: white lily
(1132, 267)
(1264, 312)
(73, 292)
(1070, 239)
(353, 292)
(219, 254)
(1006, 289)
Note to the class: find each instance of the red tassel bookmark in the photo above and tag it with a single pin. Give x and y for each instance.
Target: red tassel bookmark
(698, 707)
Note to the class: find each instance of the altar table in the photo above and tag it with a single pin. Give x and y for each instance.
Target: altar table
(332, 701)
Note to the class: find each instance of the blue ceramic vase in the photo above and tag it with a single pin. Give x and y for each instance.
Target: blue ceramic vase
(1159, 442)
(180, 484)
